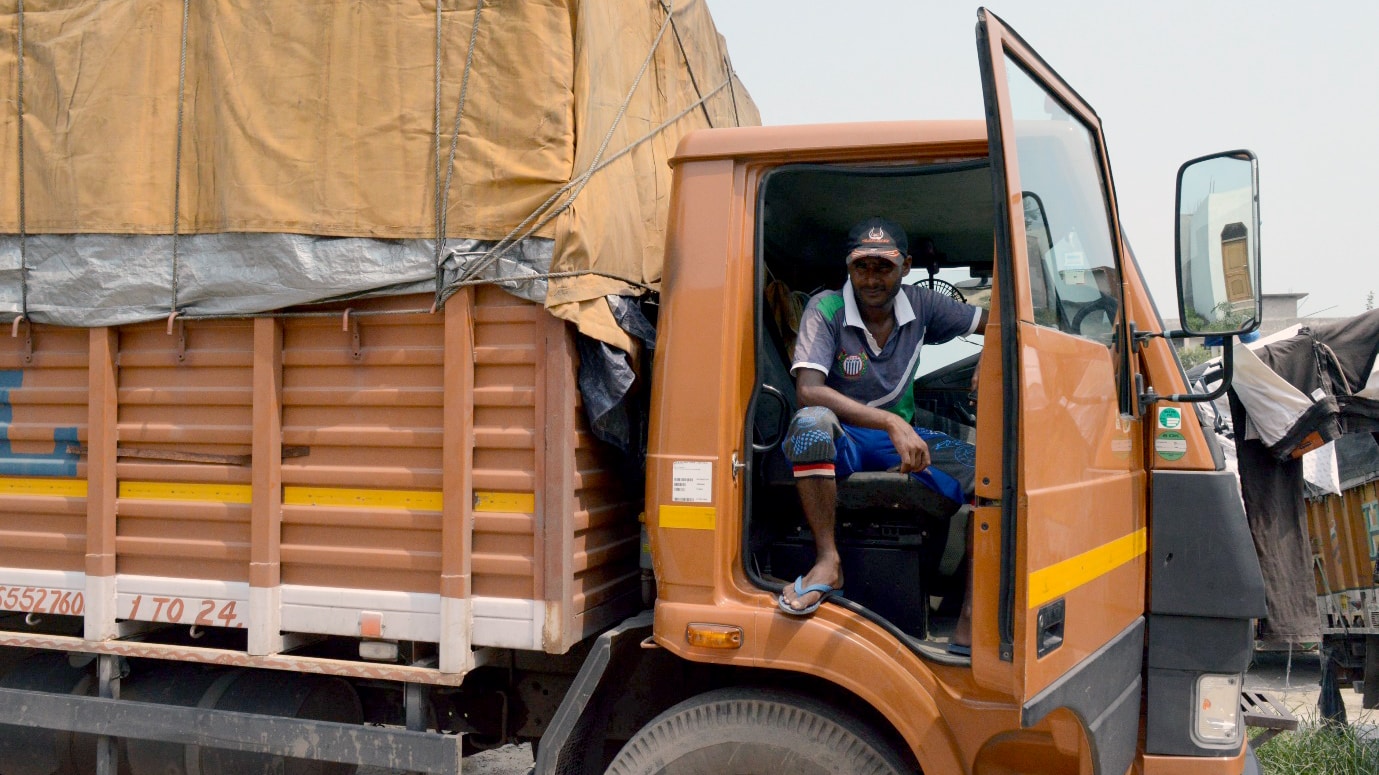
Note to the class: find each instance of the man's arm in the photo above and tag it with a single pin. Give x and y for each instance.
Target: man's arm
(810, 390)
(981, 329)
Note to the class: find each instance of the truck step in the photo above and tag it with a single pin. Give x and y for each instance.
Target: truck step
(1263, 710)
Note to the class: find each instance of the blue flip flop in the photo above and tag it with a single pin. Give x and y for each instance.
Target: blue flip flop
(824, 590)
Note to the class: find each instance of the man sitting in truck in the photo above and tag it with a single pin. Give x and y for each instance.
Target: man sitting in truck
(854, 367)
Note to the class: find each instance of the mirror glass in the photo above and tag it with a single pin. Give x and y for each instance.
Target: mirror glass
(1218, 245)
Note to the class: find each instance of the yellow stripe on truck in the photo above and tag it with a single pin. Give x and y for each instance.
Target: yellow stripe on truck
(689, 517)
(42, 485)
(505, 502)
(1060, 578)
(185, 491)
(414, 500)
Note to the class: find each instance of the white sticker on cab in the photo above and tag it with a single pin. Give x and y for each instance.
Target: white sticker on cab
(691, 481)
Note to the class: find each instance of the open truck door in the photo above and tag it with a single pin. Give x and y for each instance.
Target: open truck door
(1070, 527)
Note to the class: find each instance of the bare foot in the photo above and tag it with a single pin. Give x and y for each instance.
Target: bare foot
(827, 570)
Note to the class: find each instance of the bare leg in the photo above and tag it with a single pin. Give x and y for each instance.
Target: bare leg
(819, 496)
(962, 634)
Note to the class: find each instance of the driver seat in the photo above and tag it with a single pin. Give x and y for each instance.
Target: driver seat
(897, 493)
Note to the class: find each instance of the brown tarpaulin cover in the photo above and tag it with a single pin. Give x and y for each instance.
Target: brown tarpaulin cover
(319, 118)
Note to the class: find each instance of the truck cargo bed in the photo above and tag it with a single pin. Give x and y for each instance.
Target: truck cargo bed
(378, 472)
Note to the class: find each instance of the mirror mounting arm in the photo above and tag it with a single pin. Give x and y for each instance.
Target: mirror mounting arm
(1144, 336)
(1138, 338)
(1149, 397)
(1141, 338)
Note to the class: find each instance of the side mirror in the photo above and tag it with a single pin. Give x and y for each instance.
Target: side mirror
(1217, 233)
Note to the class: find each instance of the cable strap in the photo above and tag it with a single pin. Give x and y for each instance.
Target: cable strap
(177, 154)
(23, 219)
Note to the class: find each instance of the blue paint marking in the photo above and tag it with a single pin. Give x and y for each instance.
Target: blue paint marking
(56, 463)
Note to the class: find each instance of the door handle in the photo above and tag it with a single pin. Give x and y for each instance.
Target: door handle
(1050, 623)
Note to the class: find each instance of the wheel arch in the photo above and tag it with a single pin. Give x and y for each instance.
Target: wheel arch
(622, 686)
(755, 729)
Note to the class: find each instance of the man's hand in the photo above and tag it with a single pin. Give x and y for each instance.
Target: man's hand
(914, 453)
(982, 320)
(811, 391)
(976, 375)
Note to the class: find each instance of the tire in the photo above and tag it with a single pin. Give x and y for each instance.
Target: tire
(755, 732)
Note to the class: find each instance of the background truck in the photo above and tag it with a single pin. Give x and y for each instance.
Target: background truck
(322, 510)
(1298, 423)
(1344, 528)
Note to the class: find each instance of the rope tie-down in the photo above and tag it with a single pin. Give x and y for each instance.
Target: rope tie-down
(23, 230)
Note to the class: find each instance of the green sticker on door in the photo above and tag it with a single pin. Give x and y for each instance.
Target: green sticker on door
(1170, 418)
(1170, 445)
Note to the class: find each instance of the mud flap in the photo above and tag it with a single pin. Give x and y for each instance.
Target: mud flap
(572, 744)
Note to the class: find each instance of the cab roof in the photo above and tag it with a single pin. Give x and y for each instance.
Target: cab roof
(835, 141)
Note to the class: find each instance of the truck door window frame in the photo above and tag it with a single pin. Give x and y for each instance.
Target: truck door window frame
(994, 76)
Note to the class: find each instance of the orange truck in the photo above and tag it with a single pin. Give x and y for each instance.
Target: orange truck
(374, 532)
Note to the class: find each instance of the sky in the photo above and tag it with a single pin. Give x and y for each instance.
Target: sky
(1171, 80)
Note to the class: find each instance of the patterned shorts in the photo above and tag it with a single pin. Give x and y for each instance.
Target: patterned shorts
(818, 444)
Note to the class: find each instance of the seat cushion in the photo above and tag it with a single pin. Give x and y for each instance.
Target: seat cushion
(894, 491)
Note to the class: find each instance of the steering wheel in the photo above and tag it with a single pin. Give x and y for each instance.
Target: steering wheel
(1107, 304)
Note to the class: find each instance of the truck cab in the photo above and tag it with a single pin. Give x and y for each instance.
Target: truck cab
(1106, 634)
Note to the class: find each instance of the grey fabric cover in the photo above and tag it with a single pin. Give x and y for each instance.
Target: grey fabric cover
(92, 280)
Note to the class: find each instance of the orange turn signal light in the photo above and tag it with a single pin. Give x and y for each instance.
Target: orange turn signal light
(713, 636)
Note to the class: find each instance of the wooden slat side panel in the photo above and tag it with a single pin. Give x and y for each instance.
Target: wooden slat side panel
(1318, 518)
(141, 470)
(588, 530)
(186, 396)
(601, 585)
(314, 571)
(43, 415)
(361, 508)
(1347, 514)
(1342, 539)
(1355, 538)
(506, 435)
(607, 534)
(1368, 497)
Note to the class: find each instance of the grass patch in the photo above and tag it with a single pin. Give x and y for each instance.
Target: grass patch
(1321, 749)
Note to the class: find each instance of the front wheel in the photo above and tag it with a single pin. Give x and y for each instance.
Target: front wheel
(755, 732)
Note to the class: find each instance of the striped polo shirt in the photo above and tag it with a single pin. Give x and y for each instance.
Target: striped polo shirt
(834, 340)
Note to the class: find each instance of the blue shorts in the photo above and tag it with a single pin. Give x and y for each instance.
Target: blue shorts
(817, 444)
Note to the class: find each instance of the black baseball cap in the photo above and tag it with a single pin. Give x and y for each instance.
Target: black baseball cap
(877, 236)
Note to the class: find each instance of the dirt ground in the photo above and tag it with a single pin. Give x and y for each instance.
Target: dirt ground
(1295, 679)
(508, 760)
